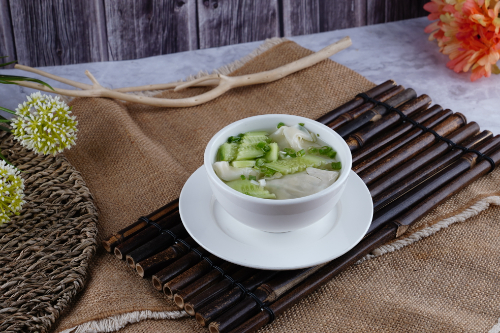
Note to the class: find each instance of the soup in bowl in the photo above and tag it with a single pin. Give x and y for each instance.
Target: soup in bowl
(253, 182)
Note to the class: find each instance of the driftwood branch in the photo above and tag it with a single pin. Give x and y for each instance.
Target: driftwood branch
(222, 83)
(53, 77)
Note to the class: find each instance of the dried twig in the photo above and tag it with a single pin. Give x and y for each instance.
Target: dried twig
(223, 83)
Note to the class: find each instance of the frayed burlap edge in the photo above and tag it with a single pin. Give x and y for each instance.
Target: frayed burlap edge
(226, 69)
(114, 323)
(466, 214)
(495, 328)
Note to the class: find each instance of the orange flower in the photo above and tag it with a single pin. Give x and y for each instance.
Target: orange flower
(468, 31)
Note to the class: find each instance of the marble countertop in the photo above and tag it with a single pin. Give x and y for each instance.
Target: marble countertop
(397, 50)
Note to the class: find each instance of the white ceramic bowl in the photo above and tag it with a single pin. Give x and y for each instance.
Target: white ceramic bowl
(277, 215)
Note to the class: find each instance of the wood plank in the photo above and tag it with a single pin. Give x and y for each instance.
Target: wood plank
(375, 11)
(224, 22)
(6, 36)
(300, 17)
(58, 32)
(138, 29)
(343, 14)
(401, 10)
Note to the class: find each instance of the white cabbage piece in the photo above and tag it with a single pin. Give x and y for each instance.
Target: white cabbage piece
(325, 175)
(296, 137)
(301, 184)
(279, 138)
(228, 173)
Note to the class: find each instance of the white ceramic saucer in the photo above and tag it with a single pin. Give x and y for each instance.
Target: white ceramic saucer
(222, 235)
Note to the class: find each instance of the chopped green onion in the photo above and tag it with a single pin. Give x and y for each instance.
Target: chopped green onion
(261, 145)
(301, 152)
(235, 139)
(243, 177)
(252, 178)
(336, 165)
(325, 150)
(290, 152)
(301, 124)
(317, 134)
(280, 124)
(264, 146)
(332, 154)
(312, 150)
(269, 173)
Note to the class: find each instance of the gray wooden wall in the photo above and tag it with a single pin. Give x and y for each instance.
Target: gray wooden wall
(59, 32)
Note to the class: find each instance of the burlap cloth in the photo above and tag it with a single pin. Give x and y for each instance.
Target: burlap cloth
(136, 158)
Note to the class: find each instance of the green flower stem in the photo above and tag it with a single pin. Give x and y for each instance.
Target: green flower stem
(7, 63)
(6, 160)
(13, 79)
(7, 110)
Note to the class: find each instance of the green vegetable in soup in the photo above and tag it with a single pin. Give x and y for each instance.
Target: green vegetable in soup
(243, 164)
(246, 187)
(227, 152)
(298, 164)
(259, 157)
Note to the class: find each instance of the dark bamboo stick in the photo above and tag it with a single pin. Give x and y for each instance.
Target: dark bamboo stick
(227, 300)
(267, 293)
(404, 221)
(376, 113)
(386, 233)
(191, 275)
(416, 163)
(398, 132)
(413, 148)
(357, 101)
(411, 198)
(161, 260)
(204, 282)
(418, 176)
(317, 280)
(358, 139)
(161, 242)
(177, 267)
(124, 234)
(145, 235)
(353, 114)
(211, 293)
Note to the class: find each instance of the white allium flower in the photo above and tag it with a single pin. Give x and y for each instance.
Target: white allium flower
(11, 191)
(44, 124)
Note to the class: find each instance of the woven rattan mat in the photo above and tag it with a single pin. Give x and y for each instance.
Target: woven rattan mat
(45, 251)
(136, 158)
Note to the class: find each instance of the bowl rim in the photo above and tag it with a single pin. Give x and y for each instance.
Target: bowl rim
(344, 174)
